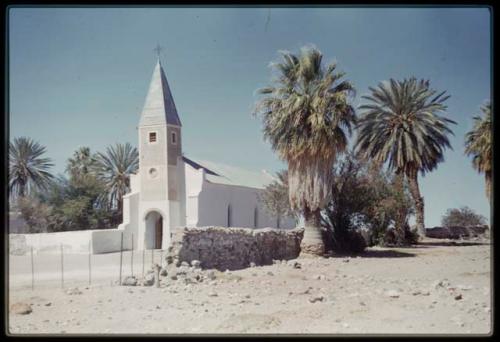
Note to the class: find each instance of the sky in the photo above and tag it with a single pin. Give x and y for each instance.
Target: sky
(79, 76)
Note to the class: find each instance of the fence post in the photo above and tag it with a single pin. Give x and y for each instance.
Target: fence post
(121, 259)
(90, 264)
(32, 271)
(62, 267)
(143, 256)
(132, 257)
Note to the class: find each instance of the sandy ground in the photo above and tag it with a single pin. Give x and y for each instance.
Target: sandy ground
(433, 288)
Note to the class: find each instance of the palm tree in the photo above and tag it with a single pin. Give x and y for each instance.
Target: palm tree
(306, 114)
(114, 168)
(401, 124)
(478, 145)
(81, 164)
(28, 169)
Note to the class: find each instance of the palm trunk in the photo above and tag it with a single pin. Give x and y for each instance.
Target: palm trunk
(419, 201)
(401, 217)
(312, 242)
(487, 178)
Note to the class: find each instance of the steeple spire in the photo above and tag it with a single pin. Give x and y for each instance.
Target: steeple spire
(159, 107)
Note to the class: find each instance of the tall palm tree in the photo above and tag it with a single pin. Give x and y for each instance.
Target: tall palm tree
(478, 145)
(306, 116)
(402, 124)
(114, 168)
(28, 169)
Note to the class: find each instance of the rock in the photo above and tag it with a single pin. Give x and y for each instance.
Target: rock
(196, 263)
(213, 294)
(163, 272)
(211, 275)
(20, 308)
(392, 294)
(441, 283)
(345, 260)
(73, 291)
(464, 287)
(129, 281)
(416, 292)
(252, 264)
(270, 273)
(315, 299)
(185, 264)
(319, 277)
(149, 279)
(425, 293)
(296, 264)
(48, 304)
(458, 297)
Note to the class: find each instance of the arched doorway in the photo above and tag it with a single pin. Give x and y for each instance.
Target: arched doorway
(154, 230)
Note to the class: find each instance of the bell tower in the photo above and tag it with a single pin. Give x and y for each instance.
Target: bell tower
(161, 168)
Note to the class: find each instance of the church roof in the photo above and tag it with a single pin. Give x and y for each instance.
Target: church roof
(231, 175)
(159, 107)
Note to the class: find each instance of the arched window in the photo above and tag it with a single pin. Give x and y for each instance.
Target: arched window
(255, 218)
(229, 216)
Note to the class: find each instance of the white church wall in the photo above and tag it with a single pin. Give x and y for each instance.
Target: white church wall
(135, 183)
(131, 216)
(194, 180)
(213, 203)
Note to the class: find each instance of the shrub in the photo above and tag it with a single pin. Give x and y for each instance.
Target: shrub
(462, 217)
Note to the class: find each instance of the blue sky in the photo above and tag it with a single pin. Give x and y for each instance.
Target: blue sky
(79, 76)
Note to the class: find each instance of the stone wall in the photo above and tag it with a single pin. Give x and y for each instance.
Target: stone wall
(233, 248)
(456, 232)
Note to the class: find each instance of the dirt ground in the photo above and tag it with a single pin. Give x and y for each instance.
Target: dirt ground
(437, 287)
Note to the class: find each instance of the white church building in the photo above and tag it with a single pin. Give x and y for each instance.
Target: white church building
(171, 191)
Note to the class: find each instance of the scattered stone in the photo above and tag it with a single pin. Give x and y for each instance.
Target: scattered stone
(392, 293)
(270, 273)
(48, 304)
(296, 264)
(252, 264)
(426, 293)
(185, 264)
(416, 292)
(319, 277)
(464, 287)
(458, 297)
(345, 260)
(163, 272)
(129, 281)
(20, 308)
(213, 294)
(196, 263)
(74, 291)
(315, 299)
(149, 279)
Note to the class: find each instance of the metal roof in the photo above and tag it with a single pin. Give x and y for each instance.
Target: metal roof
(231, 175)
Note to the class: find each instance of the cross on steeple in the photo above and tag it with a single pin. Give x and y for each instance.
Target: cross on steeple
(158, 49)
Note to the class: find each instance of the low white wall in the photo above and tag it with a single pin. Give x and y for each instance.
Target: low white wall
(72, 242)
(109, 240)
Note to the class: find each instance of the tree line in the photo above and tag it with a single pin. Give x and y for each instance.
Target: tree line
(402, 129)
(89, 197)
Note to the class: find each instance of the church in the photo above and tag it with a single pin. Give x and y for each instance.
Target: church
(171, 191)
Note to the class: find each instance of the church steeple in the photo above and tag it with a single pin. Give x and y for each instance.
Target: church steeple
(159, 107)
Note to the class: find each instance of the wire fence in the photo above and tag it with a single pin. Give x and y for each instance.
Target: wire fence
(71, 269)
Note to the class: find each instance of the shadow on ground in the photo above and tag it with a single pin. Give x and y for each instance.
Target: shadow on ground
(451, 243)
(386, 254)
